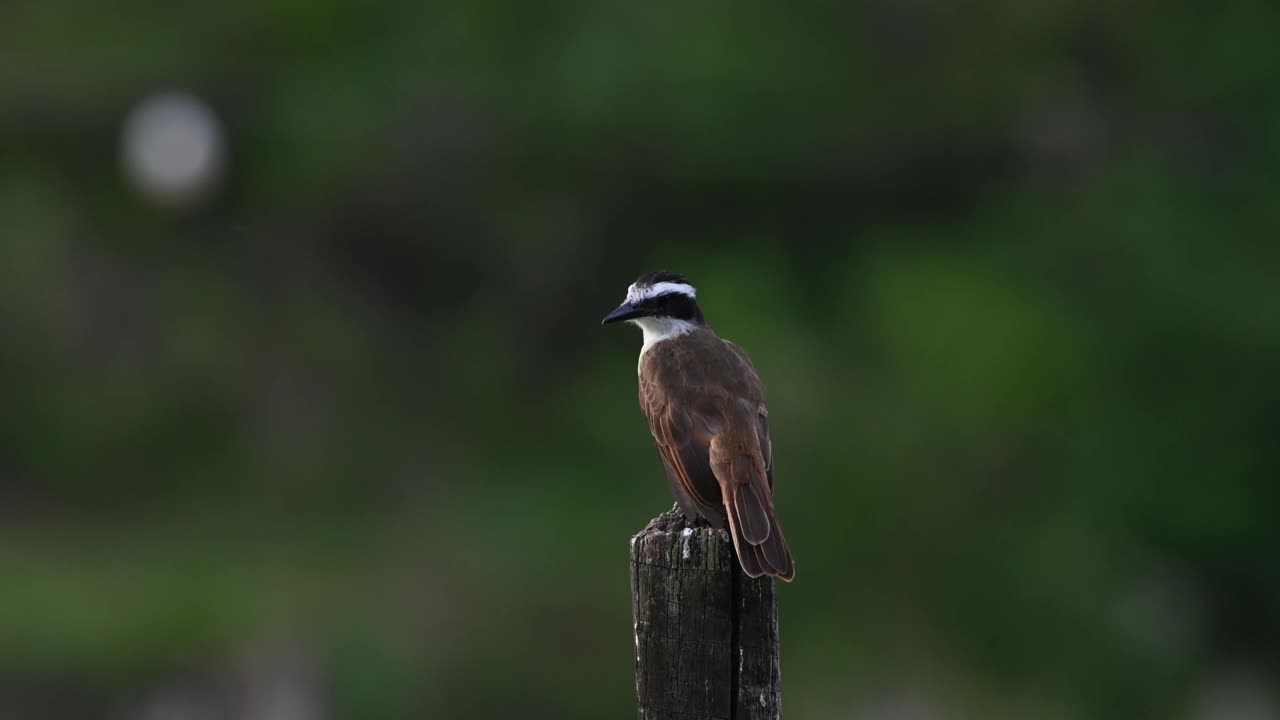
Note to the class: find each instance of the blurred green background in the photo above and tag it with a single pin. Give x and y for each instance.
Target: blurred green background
(337, 434)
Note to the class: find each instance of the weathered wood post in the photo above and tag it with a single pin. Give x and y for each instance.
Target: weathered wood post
(706, 634)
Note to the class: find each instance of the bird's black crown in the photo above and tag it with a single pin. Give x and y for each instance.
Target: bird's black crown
(661, 294)
(676, 305)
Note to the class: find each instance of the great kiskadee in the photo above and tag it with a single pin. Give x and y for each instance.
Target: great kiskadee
(705, 406)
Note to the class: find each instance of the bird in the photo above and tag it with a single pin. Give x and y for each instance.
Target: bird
(704, 402)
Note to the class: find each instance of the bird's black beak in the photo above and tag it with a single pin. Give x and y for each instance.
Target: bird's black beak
(625, 311)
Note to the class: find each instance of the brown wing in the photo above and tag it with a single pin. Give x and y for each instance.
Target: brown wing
(738, 460)
(743, 462)
(683, 440)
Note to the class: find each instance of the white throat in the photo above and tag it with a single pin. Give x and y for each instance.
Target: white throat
(657, 329)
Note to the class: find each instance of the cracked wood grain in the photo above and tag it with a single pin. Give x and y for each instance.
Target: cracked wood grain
(706, 635)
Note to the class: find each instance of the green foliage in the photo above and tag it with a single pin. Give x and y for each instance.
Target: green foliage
(1008, 274)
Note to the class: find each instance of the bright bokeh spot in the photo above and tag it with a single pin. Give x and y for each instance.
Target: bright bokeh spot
(173, 149)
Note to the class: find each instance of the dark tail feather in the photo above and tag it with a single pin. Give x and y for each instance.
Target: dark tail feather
(748, 557)
(771, 557)
(775, 554)
(748, 504)
(753, 515)
(743, 549)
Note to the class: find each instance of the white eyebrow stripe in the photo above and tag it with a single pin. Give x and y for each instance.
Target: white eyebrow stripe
(636, 294)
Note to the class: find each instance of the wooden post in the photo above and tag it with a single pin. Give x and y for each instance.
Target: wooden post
(706, 634)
